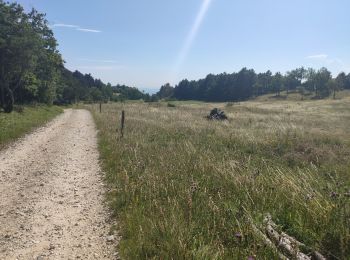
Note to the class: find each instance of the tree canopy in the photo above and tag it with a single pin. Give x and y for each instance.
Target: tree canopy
(247, 83)
(29, 59)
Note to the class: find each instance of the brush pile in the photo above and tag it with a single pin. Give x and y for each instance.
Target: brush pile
(216, 114)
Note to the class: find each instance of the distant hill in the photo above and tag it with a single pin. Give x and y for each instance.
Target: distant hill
(150, 91)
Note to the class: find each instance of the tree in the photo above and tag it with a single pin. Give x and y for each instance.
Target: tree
(310, 83)
(96, 94)
(332, 85)
(317, 81)
(184, 90)
(347, 82)
(166, 91)
(29, 60)
(341, 80)
(245, 82)
(294, 78)
(124, 92)
(322, 78)
(277, 83)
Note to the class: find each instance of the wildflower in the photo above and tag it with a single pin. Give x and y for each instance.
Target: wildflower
(238, 236)
(334, 194)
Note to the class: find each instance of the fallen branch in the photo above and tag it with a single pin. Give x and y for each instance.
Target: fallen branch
(287, 244)
(266, 240)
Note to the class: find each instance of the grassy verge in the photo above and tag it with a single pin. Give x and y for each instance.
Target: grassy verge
(186, 188)
(16, 124)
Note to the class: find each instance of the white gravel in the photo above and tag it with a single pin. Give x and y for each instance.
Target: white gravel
(51, 194)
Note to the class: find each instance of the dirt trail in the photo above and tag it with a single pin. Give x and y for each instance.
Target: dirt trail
(51, 194)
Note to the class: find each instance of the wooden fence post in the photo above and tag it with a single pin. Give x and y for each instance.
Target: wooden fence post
(100, 107)
(122, 124)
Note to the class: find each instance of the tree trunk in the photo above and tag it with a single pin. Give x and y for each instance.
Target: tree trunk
(8, 101)
(2, 87)
(316, 91)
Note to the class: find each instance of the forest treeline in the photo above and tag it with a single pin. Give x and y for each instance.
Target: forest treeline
(76, 87)
(247, 84)
(32, 69)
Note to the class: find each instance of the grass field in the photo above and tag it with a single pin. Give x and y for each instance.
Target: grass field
(296, 96)
(16, 124)
(183, 187)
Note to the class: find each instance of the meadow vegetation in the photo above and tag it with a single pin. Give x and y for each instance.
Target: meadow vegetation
(23, 120)
(183, 187)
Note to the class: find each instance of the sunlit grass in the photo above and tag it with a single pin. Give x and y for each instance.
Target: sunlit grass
(16, 124)
(182, 186)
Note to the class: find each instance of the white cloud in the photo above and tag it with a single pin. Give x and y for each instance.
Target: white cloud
(335, 64)
(88, 30)
(318, 56)
(65, 25)
(76, 27)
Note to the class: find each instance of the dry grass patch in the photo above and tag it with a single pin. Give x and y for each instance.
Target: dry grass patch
(184, 187)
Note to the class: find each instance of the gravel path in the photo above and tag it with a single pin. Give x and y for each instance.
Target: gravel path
(51, 194)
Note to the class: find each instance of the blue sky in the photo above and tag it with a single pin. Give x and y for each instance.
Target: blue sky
(146, 43)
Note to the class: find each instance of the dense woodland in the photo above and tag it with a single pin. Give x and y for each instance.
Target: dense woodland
(248, 84)
(32, 70)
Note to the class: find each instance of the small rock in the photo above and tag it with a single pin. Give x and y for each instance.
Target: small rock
(21, 213)
(40, 257)
(51, 247)
(110, 238)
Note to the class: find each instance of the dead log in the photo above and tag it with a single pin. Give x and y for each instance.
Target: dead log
(289, 246)
(267, 241)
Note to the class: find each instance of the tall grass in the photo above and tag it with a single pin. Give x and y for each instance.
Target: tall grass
(183, 187)
(16, 124)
